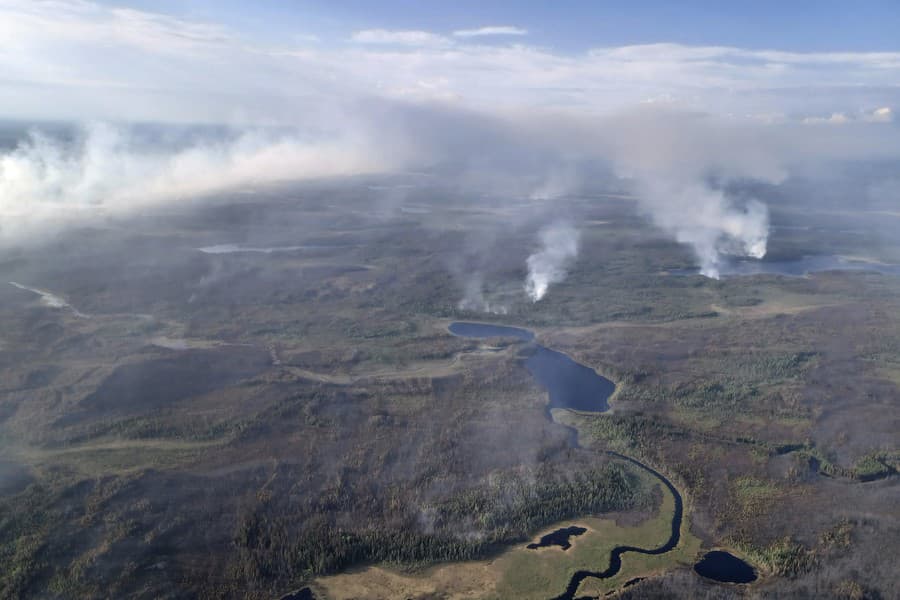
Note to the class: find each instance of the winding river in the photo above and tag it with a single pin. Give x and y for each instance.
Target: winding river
(615, 555)
(571, 385)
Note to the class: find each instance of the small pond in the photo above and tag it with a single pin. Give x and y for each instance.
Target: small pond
(719, 565)
(560, 538)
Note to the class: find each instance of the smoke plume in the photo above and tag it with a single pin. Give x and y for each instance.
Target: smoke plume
(559, 247)
(681, 165)
(707, 221)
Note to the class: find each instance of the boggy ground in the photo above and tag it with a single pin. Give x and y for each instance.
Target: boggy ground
(240, 425)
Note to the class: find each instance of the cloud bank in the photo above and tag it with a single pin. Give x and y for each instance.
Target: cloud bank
(140, 65)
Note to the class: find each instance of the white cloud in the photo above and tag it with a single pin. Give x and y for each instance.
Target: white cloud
(399, 37)
(833, 119)
(85, 22)
(880, 115)
(490, 30)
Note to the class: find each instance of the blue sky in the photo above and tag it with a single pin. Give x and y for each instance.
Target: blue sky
(573, 25)
(280, 60)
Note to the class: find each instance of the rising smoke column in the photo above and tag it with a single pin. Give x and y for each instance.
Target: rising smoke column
(702, 217)
(559, 247)
(680, 166)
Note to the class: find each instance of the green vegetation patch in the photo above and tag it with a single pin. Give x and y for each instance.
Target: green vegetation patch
(876, 465)
(753, 495)
(785, 558)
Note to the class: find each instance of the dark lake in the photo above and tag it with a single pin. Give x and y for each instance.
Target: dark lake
(719, 565)
(569, 384)
(560, 538)
(796, 267)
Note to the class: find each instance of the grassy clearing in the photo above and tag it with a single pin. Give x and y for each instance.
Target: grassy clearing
(113, 457)
(784, 557)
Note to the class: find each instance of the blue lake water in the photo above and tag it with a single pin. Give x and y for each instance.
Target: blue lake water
(569, 384)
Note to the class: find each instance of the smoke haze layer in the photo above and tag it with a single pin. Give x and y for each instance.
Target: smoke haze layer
(49, 181)
(679, 167)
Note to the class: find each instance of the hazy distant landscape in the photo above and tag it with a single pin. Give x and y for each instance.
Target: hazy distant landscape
(298, 302)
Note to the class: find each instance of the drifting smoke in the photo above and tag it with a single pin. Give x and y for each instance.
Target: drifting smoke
(706, 220)
(559, 247)
(680, 166)
(110, 169)
(474, 300)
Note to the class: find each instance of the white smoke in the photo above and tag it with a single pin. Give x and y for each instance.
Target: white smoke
(50, 299)
(680, 165)
(474, 299)
(706, 220)
(46, 181)
(559, 247)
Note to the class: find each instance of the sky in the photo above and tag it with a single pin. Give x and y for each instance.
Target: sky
(517, 99)
(576, 25)
(280, 60)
